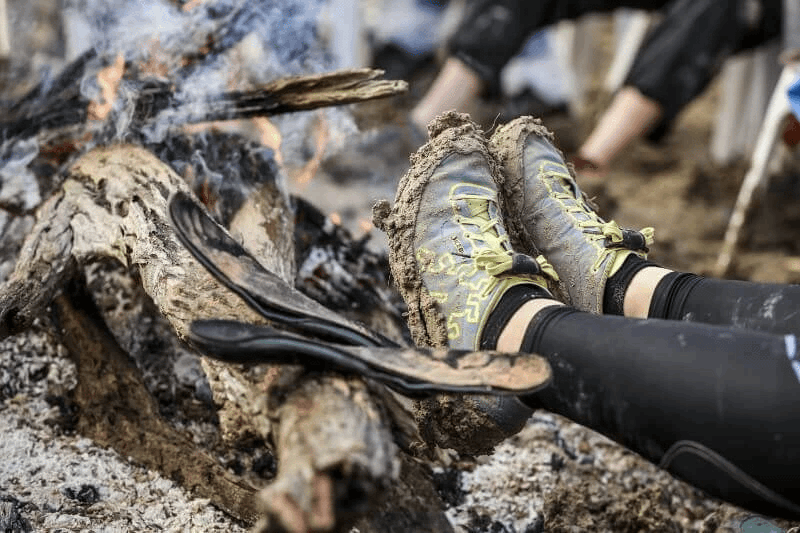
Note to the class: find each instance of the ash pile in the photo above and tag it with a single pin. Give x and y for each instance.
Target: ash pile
(111, 421)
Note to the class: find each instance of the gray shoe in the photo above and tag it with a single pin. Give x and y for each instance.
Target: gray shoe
(546, 212)
(452, 261)
(448, 251)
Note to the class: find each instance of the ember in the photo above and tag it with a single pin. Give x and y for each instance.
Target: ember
(321, 137)
(109, 79)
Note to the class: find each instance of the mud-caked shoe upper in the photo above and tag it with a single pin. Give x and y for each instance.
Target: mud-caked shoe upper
(545, 212)
(451, 260)
(450, 255)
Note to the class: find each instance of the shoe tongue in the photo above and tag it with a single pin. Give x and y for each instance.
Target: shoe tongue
(478, 208)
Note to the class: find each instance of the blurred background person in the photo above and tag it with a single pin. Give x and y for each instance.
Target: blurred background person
(676, 62)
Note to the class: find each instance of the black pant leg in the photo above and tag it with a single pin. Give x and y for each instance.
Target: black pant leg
(717, 407)
(769, 307)
(683, 53)
(493, 31)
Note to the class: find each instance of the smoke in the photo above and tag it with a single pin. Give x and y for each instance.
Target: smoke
(286, 29)
(19, 189)
(214, 47)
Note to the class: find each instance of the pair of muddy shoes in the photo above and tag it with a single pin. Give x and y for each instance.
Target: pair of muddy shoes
(463, 213)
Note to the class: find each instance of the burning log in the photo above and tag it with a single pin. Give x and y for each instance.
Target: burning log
(296, 93)
(333, 435)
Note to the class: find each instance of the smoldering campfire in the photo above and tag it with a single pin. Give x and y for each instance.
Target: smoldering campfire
(190, 100)
(98, 151)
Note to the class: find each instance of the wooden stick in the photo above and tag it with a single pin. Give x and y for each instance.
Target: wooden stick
(285, 95)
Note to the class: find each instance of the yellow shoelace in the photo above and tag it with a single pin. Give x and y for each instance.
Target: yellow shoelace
(497, 258)
(605, 231)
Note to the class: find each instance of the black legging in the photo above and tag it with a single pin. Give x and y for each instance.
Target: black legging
(675, 63)
(770, 307)
(493, 31)
(718, 406)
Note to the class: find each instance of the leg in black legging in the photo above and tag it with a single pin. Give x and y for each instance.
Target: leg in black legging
(767, 307)
(493, 31)
(715, 406)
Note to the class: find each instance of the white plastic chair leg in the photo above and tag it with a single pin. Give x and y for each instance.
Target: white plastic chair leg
(767, 138)
(5, 31)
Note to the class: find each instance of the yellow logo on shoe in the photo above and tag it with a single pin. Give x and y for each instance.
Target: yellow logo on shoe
(471, 263)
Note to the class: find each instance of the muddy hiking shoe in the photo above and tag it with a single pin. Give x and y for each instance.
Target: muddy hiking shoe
(449, 253)
(452, 261)
(546, 212)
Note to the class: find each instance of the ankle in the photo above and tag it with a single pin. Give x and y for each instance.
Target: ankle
(512, 336)
(642, 290)
(419, 119)
(515, 303)
(615, 295)
(588, 167)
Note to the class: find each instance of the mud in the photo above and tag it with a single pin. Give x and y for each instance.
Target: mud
(552, 476)
(451, 133)
(507, 145)
(460, 423)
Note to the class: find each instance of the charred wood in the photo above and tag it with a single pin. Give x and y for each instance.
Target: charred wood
(152, 97)
(344, 274)
(45, 95)
(115, 409)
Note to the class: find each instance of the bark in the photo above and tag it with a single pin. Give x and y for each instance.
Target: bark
(331, 433)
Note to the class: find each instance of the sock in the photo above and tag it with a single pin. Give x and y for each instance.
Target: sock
(671, 294)
(509, 303)
(617, 285)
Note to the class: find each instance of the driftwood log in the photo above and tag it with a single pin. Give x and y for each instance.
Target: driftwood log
(114, 408)
(333, 435)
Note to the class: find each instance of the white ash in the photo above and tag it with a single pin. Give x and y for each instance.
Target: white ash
(33, 365)
(70, 483)
(508, 490)
(51, 480)
(509, 485)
